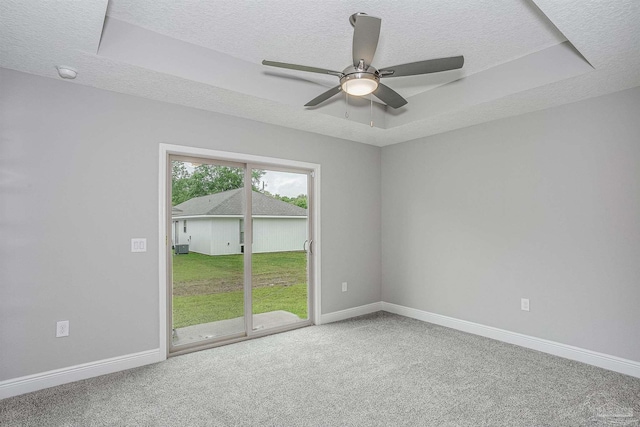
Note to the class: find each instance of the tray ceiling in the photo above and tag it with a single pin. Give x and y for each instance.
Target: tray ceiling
(520, 56)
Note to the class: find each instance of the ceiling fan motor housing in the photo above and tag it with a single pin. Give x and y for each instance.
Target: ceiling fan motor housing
(358, 81)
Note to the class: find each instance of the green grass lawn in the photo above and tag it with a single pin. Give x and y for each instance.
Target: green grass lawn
(210, 288)
(198, 274)
(196, 309)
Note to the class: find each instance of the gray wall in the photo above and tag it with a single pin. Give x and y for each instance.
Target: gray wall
(544, 206)
(79, 179)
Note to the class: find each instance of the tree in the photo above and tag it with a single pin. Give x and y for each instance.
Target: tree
(179, 183)
(207, 179)
(300, 200)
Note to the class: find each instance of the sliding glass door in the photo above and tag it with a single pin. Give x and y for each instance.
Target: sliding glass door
(279, 262)
(241, 247)
(208, 206)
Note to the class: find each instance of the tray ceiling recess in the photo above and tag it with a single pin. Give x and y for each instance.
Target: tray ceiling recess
(519, 56)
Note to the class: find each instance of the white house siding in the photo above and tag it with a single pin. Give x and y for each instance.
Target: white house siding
(279, 234)
(178, 236)
(221, 236)
(198, 230)
(224, 236)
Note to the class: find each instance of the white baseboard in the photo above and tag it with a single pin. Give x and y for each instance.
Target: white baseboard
(29, 383)
(350, 312)
(26, 384)
(606, 361)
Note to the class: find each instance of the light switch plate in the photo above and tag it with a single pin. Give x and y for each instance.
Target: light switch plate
(138, 245)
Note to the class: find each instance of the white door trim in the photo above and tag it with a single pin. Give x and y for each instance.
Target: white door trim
(164, 238)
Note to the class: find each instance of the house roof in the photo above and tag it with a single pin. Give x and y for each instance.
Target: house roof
(232, 203)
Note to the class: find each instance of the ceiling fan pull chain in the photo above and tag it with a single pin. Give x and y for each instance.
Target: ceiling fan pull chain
(346, 110)
(371, 99)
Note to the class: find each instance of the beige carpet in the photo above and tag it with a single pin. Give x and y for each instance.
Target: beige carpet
(377, 370)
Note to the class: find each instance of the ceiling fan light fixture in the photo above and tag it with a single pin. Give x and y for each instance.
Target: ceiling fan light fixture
(359, 84)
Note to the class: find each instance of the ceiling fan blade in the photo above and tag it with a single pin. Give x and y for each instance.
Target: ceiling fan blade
(365, 38)
(423, 67)
(389, 96)
(323, 97)
(301, 68)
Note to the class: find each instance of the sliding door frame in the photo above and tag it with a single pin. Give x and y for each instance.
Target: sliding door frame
(164, 241)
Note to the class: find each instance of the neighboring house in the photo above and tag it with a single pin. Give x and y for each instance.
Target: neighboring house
(214, 224)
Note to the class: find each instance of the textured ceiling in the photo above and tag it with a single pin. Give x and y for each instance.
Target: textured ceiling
(319, 33)
(202, 54)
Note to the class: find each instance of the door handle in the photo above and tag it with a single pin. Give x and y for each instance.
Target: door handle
(311, 246)
(304, 246)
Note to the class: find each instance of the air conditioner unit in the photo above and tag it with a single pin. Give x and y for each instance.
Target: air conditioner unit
(182, 249)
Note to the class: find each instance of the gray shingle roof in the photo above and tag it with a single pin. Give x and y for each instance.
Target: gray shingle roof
(232, 203)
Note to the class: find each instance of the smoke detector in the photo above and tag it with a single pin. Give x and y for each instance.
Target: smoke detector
(66, 72)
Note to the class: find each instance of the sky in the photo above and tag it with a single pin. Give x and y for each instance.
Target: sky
(285, 183)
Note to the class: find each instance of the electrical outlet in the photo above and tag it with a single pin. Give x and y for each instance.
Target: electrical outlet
(524, 304)
(344, 286)
(62, 328)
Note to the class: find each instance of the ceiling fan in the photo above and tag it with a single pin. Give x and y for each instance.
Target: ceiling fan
(362, 78)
